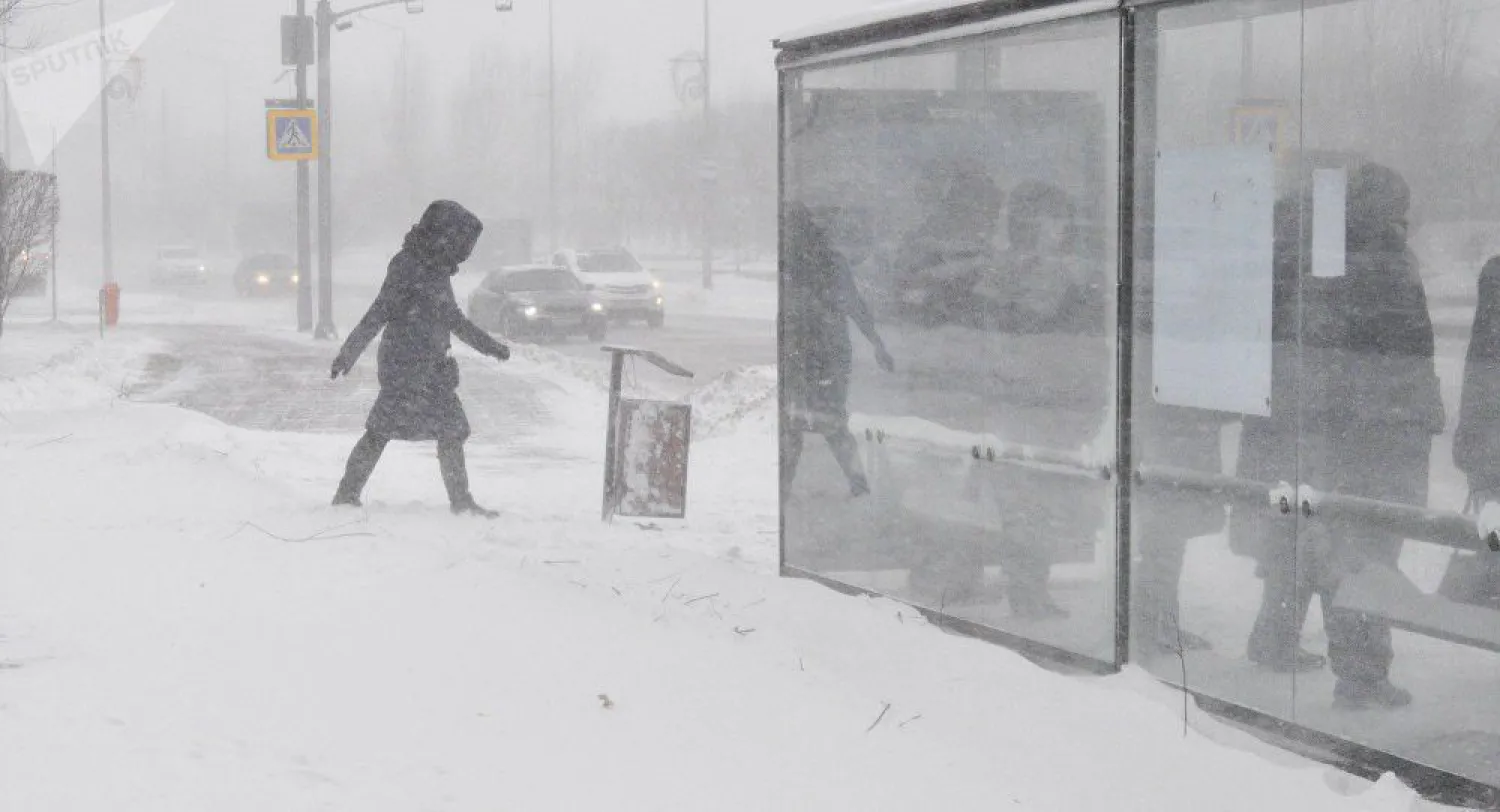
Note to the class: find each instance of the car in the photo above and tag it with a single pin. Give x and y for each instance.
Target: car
(178, 265)
(537, 300)
(266, 274)
(34, 267)
(622, 285)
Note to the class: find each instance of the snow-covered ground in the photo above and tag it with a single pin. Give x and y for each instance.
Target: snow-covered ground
(184, 625)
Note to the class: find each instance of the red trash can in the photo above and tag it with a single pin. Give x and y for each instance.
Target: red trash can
(109, 303)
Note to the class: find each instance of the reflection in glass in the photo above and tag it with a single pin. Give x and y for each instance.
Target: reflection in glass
(977, 222)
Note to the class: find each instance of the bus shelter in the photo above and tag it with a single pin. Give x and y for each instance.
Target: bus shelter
(1163, 333)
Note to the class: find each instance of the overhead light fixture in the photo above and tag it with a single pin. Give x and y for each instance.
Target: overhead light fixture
(505, 5)
(413, 6)
(344, 23)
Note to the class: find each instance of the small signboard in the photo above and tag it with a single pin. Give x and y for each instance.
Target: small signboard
(291, 135)
(1260, 123)
(650, 477)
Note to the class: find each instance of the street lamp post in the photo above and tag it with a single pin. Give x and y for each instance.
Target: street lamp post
(325, 19)
(707, 169)
(551, 134)
(325, 328)
(107, 225)
(304, 203)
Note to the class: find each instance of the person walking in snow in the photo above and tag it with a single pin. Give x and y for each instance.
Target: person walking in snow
(418, 375)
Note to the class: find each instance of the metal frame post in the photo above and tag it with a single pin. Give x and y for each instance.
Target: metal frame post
(1134, 66)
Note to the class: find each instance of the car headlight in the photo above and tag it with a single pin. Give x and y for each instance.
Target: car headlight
(656, 283)
(296, 278)
(202, 268)
(659, 301)
(596, 307)
(263, 279)
(529, 311)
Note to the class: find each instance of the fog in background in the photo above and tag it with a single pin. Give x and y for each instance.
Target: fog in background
(448, 103)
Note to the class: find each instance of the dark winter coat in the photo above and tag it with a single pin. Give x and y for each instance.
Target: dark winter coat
(1370, 353)
(1476, 445)
(1374, 402)
(417, 309)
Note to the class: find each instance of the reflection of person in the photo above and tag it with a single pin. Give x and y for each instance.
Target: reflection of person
(1370, 359)
(821, 300)
(1268, 453)
(1476, 443)
(940, 261)
(418, 397)
(1042, 283)
(1038, 287)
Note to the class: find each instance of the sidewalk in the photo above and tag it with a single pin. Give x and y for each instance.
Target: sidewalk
(259, 380)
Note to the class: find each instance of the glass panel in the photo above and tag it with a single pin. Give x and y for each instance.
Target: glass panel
(1216, 365)
(1402, 348)
(966, 201)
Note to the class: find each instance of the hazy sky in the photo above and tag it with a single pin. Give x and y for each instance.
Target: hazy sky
(209, 66)
(633, 40)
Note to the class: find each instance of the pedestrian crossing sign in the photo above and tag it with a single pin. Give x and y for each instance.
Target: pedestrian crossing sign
(291, 135)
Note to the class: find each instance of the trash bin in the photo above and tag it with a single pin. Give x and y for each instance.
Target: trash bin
(646, 446)
(109, 304)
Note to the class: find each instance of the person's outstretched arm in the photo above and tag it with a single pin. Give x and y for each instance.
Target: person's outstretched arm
(468, 332)
(859, 311)
(394, 292)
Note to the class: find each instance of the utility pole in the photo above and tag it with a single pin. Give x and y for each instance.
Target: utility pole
(5, 54)
(551, 133)
(325, 329)
(167, 214)
(107, 209)
(52, 236)
(304, 198)
(706, 169)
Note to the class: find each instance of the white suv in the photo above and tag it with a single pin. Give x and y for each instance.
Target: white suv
(619, 281)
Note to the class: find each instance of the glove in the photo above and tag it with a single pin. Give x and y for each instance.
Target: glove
(502, 352)
(341, 366)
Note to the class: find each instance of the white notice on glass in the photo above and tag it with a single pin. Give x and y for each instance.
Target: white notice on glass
(1211, 297)
(1328, 234)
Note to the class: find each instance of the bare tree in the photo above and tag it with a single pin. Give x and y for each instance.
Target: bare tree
(28, 212)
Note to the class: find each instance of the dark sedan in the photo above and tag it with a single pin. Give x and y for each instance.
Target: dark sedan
(539, 301)
(266, 275)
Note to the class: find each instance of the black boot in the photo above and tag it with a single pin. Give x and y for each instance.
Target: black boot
(456, 481)
(357, 471)
(469, 507)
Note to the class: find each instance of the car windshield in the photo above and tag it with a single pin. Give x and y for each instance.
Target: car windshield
(540, 280)
(269, 262)
(607, 262)
(178, 253)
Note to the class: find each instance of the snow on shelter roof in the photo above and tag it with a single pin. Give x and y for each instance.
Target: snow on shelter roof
(892, 18)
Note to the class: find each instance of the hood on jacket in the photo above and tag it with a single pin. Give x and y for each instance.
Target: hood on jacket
(1378, 202)
(447, 233)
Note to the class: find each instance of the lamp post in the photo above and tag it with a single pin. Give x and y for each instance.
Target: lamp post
(326, 19)
(699, 88)
(107, 226)
(304, 203)
(551, 134)
(709, 170)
